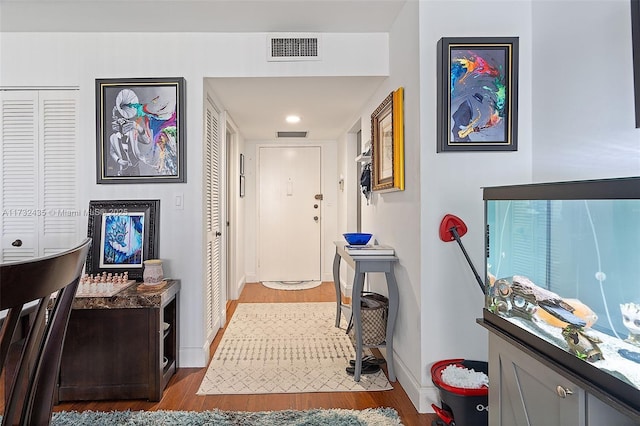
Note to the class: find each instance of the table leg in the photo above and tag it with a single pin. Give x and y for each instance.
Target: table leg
(394, 296)
(356, 291)
(336, 282)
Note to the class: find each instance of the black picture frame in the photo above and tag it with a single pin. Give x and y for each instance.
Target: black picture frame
(241, 164)
(242, 185)
(130, 224)
(141, 130)
(477, 94)
(635, 41)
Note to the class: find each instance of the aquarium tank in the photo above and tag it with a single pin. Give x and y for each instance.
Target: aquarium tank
(563, 275)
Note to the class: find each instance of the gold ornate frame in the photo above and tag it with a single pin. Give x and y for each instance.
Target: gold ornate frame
(387, 148)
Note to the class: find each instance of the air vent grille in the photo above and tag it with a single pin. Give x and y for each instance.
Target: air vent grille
(292, 134)
(293, 48)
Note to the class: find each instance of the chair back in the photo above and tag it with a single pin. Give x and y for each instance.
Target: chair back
(31, 394)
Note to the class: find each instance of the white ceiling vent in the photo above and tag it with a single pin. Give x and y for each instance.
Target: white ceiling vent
(293, 47)
(292, 134)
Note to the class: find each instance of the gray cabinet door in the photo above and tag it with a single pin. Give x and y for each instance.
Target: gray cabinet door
(525, 392)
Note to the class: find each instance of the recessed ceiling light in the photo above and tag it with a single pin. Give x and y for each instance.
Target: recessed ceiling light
(293, 119)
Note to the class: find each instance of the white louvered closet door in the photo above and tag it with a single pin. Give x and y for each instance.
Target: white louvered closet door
(58, 165)
(213, 280)
(38, 142)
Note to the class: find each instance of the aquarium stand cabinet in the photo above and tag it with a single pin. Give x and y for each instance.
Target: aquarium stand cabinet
(527, 386)
(121, 347)
(562, 302)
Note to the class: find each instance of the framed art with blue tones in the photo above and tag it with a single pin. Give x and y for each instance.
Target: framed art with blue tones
(124, 233)
(140, 130)
(477, 94)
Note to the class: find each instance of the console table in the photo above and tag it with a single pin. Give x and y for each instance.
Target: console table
(121, 347)
(363, 265)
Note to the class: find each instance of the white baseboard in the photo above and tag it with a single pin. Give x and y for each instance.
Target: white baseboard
(193, 357)
(421, 396)
(241, 286)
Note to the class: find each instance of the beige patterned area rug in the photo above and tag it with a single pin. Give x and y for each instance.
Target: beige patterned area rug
(285, 348)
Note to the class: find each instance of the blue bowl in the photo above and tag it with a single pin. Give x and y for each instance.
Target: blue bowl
(357, 238)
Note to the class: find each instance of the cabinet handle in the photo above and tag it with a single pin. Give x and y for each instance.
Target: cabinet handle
(17, 243)
(563, 392)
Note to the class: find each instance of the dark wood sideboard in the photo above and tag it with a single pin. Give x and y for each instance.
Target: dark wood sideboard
(121, 347)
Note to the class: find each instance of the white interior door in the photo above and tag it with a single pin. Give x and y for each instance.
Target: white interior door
(213, 275)
(289, 214)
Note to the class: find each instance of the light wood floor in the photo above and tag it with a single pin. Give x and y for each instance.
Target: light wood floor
(181, 390)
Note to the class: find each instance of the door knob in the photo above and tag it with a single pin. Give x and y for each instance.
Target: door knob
(218, 233)
(563, 392)
(17, 243)
(315, 218)
(315, 206)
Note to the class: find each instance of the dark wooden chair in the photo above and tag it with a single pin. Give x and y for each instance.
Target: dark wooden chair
(31, 394)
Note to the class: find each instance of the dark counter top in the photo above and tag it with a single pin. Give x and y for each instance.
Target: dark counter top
(130, 297)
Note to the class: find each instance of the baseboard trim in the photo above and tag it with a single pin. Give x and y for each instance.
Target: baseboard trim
(193, 357)
(421, 396)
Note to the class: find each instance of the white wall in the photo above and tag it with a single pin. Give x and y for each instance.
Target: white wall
(583, 108)
(394, 217)
(452, 183)
(77, 59)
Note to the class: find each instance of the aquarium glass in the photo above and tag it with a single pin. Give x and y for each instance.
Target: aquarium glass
(568, 271)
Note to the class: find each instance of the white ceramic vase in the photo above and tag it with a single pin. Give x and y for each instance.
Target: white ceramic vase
(153, 274)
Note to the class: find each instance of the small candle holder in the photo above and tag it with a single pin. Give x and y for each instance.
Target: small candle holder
(153, 275)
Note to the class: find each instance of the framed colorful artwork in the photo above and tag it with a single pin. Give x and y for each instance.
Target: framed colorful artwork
(387, 143)
(124, 233)
(140, 130)
(477, 94)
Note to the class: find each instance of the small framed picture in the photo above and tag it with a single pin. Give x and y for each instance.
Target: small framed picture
(242, 164)
(124, 233)
(241, 186)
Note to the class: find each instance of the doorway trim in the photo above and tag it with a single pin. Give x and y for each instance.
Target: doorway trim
(232, 211)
